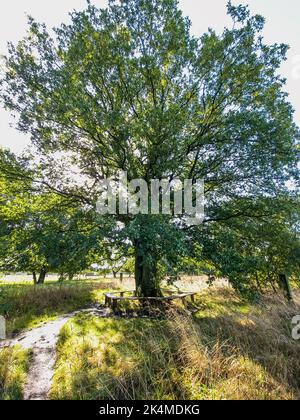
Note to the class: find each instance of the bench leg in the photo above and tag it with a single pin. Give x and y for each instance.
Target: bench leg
(114, 304)
(193, 298)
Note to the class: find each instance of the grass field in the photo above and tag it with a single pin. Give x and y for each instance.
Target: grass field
(26, 306)
(229, 349)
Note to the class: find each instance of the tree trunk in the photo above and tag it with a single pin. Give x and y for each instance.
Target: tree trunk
(146, 280)
(34, 277)
(285, 285)
(259, 286)
(272, 283)
(61, 278)
(42, 277)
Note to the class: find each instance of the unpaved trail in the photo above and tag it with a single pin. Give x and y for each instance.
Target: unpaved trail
(42, 341)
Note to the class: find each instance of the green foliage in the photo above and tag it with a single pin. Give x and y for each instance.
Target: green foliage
(44, 231)
(251, 252)
(129, 266)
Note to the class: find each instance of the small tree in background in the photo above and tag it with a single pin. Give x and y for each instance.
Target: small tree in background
(254, 253)
(43, 233)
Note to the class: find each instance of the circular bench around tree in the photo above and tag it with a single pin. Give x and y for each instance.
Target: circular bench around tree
(113, 298)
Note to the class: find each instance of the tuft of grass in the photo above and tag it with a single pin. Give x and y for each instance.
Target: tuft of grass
(13, 371)
(110, 359)
(260, 335)
(230, 350)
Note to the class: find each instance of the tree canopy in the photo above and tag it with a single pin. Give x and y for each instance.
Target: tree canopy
(129, 88)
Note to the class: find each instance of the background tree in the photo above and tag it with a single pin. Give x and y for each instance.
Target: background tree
(129, 88)
(42, 232)
(253, 252)
(129, 266)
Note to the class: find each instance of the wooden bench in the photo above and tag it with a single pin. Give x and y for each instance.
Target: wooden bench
(112, 298)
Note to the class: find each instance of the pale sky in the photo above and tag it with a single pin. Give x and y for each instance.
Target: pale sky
(282, 25)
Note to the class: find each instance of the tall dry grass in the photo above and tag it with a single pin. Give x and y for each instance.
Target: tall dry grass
(229, 350)
(14, 364)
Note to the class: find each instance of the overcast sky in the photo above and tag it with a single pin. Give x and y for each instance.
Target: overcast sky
(282, 26)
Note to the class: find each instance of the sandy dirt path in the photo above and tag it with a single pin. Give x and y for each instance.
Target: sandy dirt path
(42, 341)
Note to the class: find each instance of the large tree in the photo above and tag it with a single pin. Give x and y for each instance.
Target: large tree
(128, 88)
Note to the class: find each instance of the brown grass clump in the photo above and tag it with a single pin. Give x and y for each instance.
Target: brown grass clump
(235, 356)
